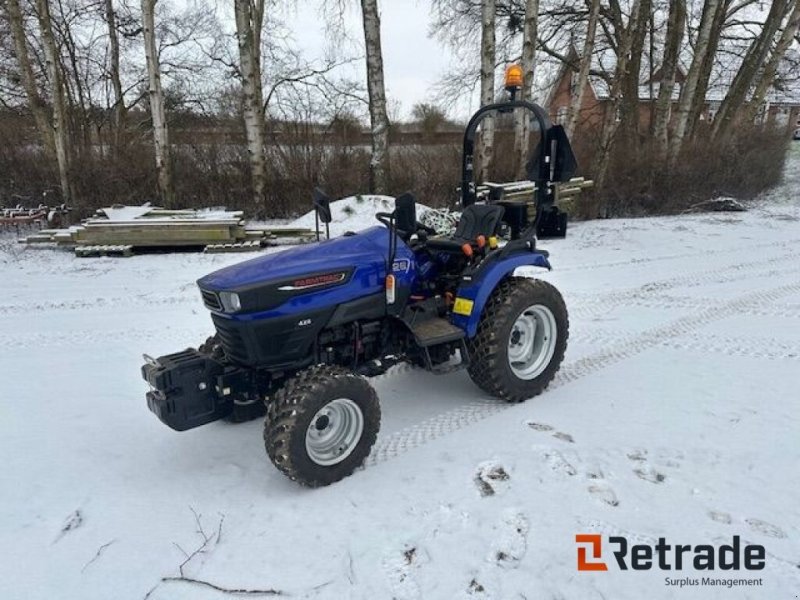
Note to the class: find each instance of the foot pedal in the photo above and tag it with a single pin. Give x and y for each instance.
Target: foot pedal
(432, 332)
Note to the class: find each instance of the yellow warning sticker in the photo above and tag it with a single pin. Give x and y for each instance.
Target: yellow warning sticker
(463, 307)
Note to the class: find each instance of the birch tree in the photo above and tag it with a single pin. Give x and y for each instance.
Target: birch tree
(56, 80)
(767, 77)
(36, 102)
(669, 64)
(118, 109)
(486, 140)
(753, 61)
(249, 26)
(379, 120)
(698, 103)
(576, 97)
(157, 112)
(611, 122)
(689, 87)
(523, 117)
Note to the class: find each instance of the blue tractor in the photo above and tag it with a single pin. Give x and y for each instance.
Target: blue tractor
(299, 332)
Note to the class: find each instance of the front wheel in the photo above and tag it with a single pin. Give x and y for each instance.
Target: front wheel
(321, 425)
(521, 340)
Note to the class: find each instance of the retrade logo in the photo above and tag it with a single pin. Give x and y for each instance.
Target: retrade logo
(668, 557)
(595, 543)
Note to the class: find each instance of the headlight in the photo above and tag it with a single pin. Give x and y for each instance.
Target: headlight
(230, 301)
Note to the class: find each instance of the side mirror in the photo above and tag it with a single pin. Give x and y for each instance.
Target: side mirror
(322, 204)
(405, 211)
(322, 211)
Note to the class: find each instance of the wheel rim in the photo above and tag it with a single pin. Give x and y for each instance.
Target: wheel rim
(532, 341)
(334, 432)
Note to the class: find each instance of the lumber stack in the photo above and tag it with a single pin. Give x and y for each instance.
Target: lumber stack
(122, 230)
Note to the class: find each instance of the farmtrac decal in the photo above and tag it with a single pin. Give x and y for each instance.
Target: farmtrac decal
(314, 281)
(662, 556)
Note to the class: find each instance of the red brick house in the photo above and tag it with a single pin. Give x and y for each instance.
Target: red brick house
(781, 107)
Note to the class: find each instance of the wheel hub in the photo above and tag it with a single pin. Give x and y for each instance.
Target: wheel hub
(334, 432)
(532, 341)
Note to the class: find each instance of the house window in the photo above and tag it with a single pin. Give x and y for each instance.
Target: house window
(573, 85)
(561, 115)
(782, 117)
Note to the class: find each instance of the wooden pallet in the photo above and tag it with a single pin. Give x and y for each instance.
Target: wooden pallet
(111, 250)
(248, 246)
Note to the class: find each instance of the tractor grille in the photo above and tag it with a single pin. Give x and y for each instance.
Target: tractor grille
(231, 340)
(211, 300)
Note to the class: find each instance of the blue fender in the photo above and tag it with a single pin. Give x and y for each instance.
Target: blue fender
(473, 293)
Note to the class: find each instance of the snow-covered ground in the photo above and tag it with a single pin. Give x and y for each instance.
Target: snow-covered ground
(674, 415)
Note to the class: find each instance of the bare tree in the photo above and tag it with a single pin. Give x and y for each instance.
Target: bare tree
(576, 96)
(59, 122)
(522, 129)
(249, 25)
(629, 103)
(157, 112)
(753, 61)
(379, 120)
(672, 47)
(767, 77)
(625, 35)
(36, 103)
(486, 139)
(118, 109)
(690, 84)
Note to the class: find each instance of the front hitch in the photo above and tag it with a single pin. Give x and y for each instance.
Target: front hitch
(184, 390)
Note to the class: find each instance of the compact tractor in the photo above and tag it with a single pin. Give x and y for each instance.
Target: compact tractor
(300, 332)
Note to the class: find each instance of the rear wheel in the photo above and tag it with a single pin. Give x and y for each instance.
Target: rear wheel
(521, 340)
(321, 425)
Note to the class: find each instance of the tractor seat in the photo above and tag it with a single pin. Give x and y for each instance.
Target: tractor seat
(476, 219)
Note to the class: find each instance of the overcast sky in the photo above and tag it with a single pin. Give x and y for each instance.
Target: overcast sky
(412, 60)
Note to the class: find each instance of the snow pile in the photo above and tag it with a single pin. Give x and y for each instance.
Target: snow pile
(354, 213)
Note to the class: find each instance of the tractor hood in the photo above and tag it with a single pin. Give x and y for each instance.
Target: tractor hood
(369, 248)
(314, 276)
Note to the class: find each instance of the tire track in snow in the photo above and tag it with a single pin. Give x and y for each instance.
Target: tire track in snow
(89, 337)
(591, 304)
(449, 422)
(693, 254)
(142, 300)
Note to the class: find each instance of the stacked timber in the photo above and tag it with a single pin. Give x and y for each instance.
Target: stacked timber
(124, 230)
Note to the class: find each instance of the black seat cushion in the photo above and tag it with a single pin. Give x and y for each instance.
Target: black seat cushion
(476, 220)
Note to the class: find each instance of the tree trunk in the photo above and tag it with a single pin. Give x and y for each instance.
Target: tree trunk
(637, 32)
(523, 117)
(118, 110)
(699, 100)
(379, 120)
(771, 68)
(249, 24)
(576, 98)
(753, 60)
(675, 26)
(486, 139)
(36, 103)
(157, 112)
(55, 76)
(689, 87)
(610, 121)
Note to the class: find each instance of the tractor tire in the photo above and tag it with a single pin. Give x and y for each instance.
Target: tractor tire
(521, 340)
(321, 425)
